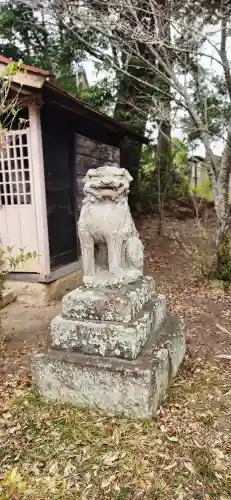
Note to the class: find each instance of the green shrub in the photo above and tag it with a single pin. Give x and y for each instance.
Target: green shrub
(172, 183)
(204, 190)
(13, 486)
(10, 262)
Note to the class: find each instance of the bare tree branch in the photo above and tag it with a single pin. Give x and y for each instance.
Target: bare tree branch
(223, 49)
(127, 27)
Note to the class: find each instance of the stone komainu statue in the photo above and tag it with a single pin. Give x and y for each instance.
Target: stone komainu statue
(111, 249)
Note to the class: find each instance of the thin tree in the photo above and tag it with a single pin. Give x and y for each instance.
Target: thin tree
(178, 62)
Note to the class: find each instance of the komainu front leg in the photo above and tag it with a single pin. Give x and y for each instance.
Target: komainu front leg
(114, 245)
(87, 250)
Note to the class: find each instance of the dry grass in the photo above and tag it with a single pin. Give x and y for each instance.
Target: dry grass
(53, 452)
(57, 452)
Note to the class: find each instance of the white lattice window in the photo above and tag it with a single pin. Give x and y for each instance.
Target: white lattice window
(15, 175)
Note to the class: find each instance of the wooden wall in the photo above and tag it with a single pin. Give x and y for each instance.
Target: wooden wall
(91, 154)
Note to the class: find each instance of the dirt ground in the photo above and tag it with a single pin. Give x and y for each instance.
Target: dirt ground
(205, 309)
(50, 451)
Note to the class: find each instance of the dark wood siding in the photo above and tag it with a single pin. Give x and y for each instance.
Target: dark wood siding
(58, 150)
(90, 154)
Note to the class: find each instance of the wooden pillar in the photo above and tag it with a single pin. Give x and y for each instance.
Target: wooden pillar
(39, 189)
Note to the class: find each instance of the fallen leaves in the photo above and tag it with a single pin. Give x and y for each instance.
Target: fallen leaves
(170, 466)
(6, 415)
(111, 459)
(173, 439)
(223, 356)
(223, 329)
(189, 466)
(77, 454)
(64, 452)
(107, 482)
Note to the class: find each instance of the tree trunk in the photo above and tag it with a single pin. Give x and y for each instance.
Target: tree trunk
(163, 163)
(130, 152)
(221, 203)
(132, 109)
(163, 151)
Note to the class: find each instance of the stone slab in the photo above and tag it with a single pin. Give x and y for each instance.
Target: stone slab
(43, 293)
(7, 297)
(133, 388)
(103, 278)
(105, 304)
(123, 340)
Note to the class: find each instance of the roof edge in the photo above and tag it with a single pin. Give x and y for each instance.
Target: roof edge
(126, 131)
(26, 67)
(39, 78)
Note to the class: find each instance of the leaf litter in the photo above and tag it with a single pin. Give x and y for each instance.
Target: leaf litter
(56, 452)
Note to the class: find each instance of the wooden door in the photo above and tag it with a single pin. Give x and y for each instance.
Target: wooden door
(60, 190)
(18, 228)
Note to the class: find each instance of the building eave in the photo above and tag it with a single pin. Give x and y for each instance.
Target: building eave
(60, 96)
(31, 80)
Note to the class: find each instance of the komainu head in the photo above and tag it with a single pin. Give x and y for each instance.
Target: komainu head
(107, 182)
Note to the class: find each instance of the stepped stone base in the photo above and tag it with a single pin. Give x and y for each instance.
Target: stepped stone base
(134, 388)
(109, 338)
(115, 349)
(120, 303)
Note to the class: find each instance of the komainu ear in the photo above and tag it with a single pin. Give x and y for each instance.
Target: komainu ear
(91, 173)
(127, 175)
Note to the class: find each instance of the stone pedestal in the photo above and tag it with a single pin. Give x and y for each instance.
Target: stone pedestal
(116, 349)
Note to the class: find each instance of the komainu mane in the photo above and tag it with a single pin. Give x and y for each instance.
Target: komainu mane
(112, 251)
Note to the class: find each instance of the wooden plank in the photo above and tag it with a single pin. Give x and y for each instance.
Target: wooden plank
(39, 193)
